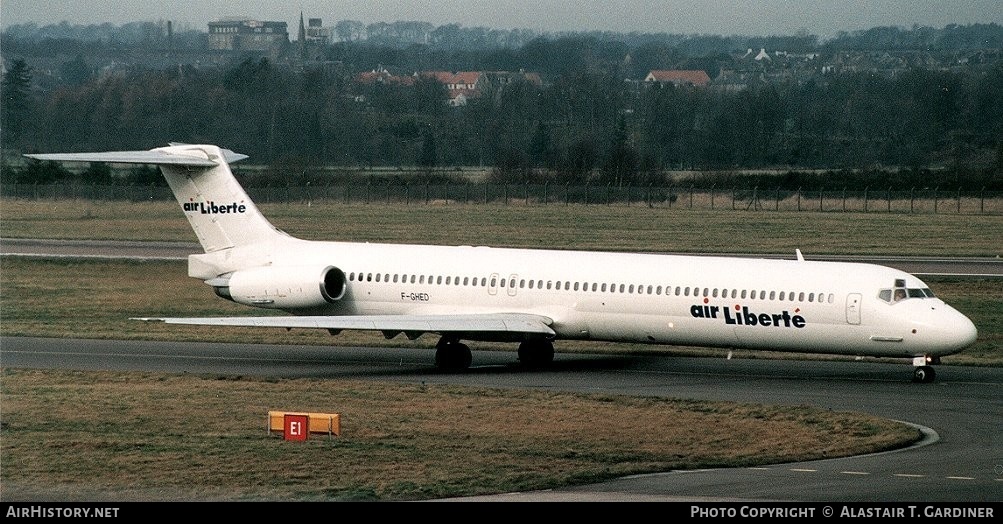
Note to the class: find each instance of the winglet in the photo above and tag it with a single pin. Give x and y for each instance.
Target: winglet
(800, 256)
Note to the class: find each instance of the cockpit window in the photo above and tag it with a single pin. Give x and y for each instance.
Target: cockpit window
(900, 292)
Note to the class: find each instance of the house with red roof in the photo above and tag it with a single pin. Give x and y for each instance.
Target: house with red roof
(678, 77)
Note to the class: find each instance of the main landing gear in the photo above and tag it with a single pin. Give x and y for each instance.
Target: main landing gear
(924, 371)
(536, 353)
(452, 355)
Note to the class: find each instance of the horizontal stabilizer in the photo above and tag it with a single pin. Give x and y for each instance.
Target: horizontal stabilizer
(527, 324)
(159, 157)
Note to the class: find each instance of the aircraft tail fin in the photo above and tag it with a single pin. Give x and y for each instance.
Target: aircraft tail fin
(218, 209)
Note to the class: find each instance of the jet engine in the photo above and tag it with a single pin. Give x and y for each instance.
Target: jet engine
(282, 287)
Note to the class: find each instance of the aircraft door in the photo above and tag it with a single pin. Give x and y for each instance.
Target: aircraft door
(513, 280)
(493, 284)
(853, 308)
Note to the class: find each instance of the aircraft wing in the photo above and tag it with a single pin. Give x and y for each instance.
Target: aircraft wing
(475, 326)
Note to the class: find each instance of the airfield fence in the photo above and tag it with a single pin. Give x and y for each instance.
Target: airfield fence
(888, 200)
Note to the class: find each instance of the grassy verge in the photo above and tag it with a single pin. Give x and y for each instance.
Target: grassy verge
(71, 435)
(598, 227)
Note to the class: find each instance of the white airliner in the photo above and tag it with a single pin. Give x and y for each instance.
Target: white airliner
(535, 297)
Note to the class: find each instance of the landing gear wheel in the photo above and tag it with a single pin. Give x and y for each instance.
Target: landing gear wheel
(452, 355)
(924, 374)
(536, 353)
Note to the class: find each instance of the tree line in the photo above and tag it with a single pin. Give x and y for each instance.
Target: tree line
(584, 124)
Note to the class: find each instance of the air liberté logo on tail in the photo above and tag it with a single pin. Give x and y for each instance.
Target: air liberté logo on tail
(742, 316)
(211, 208)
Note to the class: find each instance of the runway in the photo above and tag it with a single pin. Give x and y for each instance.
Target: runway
(961, 459)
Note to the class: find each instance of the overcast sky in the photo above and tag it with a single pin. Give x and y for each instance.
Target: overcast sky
(763, 17)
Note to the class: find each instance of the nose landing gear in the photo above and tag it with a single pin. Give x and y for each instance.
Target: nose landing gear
(924, 372)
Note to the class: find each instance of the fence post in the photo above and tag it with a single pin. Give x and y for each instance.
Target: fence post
(936, 198)
(912, 199)
(691, 196)
(865, 198)
(959, 200)
(778, 199)
(888, 197)
(799, 199)
(712, 196)
(821, 197)
(982, 200)
(734, 195)
(567, 194)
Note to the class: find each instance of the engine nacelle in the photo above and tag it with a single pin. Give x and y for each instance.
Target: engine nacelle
(283, 287)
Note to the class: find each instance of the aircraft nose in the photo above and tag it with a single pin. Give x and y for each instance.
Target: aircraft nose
(958, 331)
